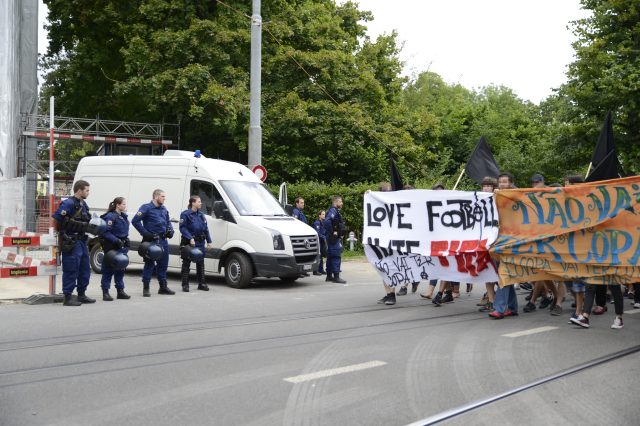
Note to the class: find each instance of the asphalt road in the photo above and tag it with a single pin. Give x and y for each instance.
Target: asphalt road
(221, 358)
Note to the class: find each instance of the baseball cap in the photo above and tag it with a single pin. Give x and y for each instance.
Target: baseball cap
(438, 185)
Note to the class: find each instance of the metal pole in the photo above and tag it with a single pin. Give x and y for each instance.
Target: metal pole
(255, 131)
(52, 278)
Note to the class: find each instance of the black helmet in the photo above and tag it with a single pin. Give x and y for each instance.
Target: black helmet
(151, 250)
(193, 254)
(116, 260)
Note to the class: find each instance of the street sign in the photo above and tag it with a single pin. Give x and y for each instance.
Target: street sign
(260, 172)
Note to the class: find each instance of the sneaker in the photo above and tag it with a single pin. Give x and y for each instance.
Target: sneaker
(402, 292)
(636, 306)
(599, 310)
(530, 307)
(631, 296)
(389, 299)
(526, 286)
(414, 287)
(528, 298)
(516, 286)
(496, 315)
(573, 305)
(625, 293)
(545, 303)
(484, 301)
(617, 323)
(581, 321)
(448, 298)
(510, 313)
(437, 300)
(487, 308)
(608, 297)
(556, 311)
(573, 316)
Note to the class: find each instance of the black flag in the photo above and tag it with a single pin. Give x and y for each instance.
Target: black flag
(396, 180)
(481, 162)
(605, 143)
(606, 170)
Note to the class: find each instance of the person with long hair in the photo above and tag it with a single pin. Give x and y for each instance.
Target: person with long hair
(194, 230)
(318, 225)
(116, 237)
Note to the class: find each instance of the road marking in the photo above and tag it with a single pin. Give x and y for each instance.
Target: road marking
(632, 312)
(527, 332)
(334, 371)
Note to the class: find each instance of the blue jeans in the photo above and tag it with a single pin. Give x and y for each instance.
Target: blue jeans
(161, 265)
(76, 269)
(108, 272)
(506, 298)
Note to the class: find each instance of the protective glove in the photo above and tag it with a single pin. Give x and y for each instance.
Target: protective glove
(170, 234)
(119, 244)
(148, 236)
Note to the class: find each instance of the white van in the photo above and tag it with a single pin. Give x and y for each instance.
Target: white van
(252, 234)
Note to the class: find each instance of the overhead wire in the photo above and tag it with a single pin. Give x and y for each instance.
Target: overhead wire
(322, 88)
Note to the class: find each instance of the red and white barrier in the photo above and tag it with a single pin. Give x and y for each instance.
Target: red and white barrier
(25, 266)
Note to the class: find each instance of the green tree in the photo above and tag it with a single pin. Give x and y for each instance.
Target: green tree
(188, 60)
(605, 74)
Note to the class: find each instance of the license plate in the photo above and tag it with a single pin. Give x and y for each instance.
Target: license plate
(306, 267)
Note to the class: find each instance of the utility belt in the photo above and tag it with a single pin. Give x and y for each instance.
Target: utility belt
(199, 239)
(68, 241)
(108, 245)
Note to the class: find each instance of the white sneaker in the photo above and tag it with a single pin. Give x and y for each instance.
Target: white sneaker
(617, 323)
(636, 306)
(517, 286)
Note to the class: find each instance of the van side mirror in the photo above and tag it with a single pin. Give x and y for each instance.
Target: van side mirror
(218, 209)
(288, 208)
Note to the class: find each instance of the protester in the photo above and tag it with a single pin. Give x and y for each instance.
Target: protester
(583, 320)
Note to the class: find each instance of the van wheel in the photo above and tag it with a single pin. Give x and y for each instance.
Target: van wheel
(238, 270)
(95, 258)
(289, 280)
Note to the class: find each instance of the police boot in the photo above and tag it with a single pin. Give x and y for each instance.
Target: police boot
(185, 280)
(82, 298)
(145, 289)
(329, 276)
(338, 280)
(106, 296)
(202, 284)
(122, 294)
(69, 301)
(164, 289)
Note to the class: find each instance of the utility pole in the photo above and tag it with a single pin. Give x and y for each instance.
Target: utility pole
(255, 131)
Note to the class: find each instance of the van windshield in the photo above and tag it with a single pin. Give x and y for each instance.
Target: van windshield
(252, 199)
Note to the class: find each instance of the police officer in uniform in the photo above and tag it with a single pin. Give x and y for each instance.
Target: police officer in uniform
(71, 220)
(194, 230)
(298, 214)
(318, 225)
(152, 222)
(335, 229)
(116, 237)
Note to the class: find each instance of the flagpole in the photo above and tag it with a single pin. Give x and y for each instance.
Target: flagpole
(588, 170)
(459, 177)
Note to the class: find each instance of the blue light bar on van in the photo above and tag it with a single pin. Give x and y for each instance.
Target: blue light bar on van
(197, 154)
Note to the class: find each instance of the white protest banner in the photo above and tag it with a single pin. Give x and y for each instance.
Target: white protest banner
(417, 235)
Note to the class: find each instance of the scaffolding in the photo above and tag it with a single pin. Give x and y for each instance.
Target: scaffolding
(113, 138)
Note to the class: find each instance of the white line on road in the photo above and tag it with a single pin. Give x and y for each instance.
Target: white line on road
(527, 332)
(632, 312)
(334, 371)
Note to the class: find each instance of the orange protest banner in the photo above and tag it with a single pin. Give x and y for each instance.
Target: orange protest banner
(588, 232)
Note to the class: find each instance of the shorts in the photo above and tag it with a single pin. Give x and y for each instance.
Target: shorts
(568, 285)
(578, 287)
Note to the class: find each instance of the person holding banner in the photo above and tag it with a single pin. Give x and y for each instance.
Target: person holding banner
(589, 296)
(490, 185)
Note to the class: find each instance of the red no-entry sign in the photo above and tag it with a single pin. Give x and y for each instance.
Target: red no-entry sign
(260, 172)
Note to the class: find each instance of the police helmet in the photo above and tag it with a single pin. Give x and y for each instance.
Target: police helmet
(116, 260)
(151, 250)
(97, 226)
(193, 254)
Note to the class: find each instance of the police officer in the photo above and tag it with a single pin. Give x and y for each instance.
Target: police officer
(116, 237)
(335, 229)
(70, 220)
(318, 225)
(152, 222)
(298, 214)
(194, 230)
